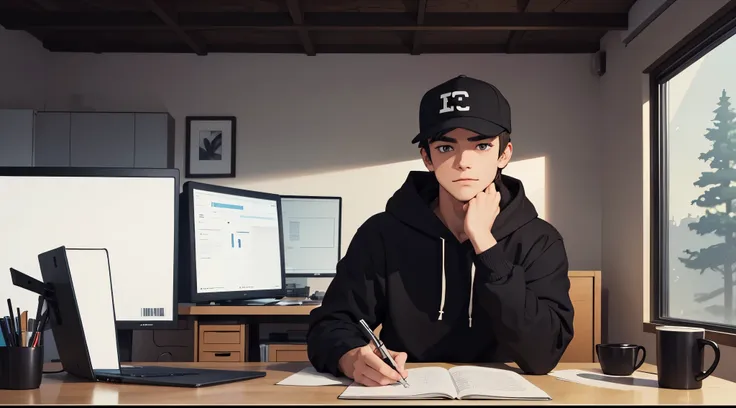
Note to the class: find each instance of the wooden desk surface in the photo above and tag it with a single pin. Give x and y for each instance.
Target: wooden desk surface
(64, 389)
(193, 310)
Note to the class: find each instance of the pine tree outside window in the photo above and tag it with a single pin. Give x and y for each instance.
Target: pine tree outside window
(693, 107)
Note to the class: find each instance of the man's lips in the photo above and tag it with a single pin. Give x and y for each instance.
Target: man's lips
(464, 179)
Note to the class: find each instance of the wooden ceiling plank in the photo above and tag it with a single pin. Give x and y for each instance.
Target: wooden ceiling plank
(515, 36)
(297, 17)
(170, 22)
(416, 41)
(319, 21)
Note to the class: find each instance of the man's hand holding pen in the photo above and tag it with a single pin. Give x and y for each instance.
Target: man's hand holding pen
(365, 365)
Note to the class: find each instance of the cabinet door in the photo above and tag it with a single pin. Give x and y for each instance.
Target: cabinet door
(16, 137)
(154, 140)
(582, 347)
(52, 143)
(100, 139)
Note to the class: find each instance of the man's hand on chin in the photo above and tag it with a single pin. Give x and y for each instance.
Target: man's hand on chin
(480, 213)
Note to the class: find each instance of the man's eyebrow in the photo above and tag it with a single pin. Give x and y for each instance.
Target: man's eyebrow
(480, 137)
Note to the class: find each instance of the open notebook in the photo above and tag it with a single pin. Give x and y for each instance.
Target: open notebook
(461, 382)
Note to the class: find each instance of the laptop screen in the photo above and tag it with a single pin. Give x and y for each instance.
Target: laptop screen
(89, 270)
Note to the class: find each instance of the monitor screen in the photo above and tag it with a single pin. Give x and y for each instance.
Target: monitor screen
(311, 235)
(131, 213)
(89, 275)
(237, 249)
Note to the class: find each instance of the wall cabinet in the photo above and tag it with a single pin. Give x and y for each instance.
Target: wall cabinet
(102, 140)
(52, 139)
(16, 137)
(86, 139)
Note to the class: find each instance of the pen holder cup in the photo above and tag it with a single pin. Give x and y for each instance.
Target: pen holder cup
(21, 368)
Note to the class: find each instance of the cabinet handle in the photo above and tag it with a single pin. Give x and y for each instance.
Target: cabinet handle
(222, 354)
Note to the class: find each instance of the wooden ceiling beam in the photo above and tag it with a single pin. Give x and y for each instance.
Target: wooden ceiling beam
(77, 46)
(297, 16)
(421, 12)
(318, 21)
(169, 19)
(515, 36)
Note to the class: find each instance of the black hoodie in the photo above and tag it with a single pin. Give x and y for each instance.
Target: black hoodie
(440, 302)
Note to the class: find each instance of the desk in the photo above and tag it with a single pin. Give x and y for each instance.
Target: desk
(63, 389)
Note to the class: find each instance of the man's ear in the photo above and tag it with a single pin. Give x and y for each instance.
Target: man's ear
(426, 159)
(503, 161)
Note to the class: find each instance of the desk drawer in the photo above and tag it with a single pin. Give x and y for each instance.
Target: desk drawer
(287, 352)
(209, 356)
(221, 337)
(222, 342)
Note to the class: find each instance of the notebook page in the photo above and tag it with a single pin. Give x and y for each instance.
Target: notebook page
(425, 382)
(486, 382)
(310, 377)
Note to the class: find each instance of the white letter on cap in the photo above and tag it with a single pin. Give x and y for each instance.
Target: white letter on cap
(445, 108)
(458, 97)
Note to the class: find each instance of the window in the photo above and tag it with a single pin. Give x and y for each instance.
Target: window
(693, 106)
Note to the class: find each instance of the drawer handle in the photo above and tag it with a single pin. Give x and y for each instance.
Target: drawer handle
(222, 354)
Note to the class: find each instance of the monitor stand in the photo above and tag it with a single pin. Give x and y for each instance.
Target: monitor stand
(125, 345)
(242, 302)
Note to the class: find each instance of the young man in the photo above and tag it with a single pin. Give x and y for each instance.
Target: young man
(459, 268)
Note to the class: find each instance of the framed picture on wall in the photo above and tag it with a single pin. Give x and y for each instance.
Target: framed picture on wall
(210, 146)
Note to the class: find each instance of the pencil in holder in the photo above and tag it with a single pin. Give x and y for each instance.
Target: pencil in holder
(21, 368)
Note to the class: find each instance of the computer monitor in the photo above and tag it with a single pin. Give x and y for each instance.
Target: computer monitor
(234, 244)
(312, 226)
(132, 213)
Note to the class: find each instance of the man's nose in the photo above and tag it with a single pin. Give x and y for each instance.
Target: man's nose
(465, 159)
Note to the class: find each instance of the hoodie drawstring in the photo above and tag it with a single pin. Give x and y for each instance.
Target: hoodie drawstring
(472, 283)
(470, 305)
(442, 301)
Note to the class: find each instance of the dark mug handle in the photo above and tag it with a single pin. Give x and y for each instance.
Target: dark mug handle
(704, 374)
(643, 356)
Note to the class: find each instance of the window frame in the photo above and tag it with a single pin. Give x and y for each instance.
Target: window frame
(711, 33)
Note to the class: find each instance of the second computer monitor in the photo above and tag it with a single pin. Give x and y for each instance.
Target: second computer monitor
(311, 233)
(236, 248)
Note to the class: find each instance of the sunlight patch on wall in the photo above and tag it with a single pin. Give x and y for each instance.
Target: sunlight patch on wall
(533, 174)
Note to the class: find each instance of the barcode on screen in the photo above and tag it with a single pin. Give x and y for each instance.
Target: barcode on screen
(152, 311)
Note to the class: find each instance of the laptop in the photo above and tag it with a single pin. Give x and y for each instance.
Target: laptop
(82, 318)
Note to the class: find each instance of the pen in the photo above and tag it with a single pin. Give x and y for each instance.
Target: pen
(6, 331)
(11, 323)
(44, 318)
(382, 348)
(23, 332)
(36, 320)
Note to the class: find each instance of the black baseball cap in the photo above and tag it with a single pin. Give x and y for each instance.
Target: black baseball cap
(463, 102)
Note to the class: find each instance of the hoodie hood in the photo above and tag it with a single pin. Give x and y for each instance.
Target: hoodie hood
(411, 205)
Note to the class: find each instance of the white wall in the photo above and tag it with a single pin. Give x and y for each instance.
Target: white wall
(625, 165)
(23, 67)
(342, 124)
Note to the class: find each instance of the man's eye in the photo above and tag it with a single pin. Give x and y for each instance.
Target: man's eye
(444, 148)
